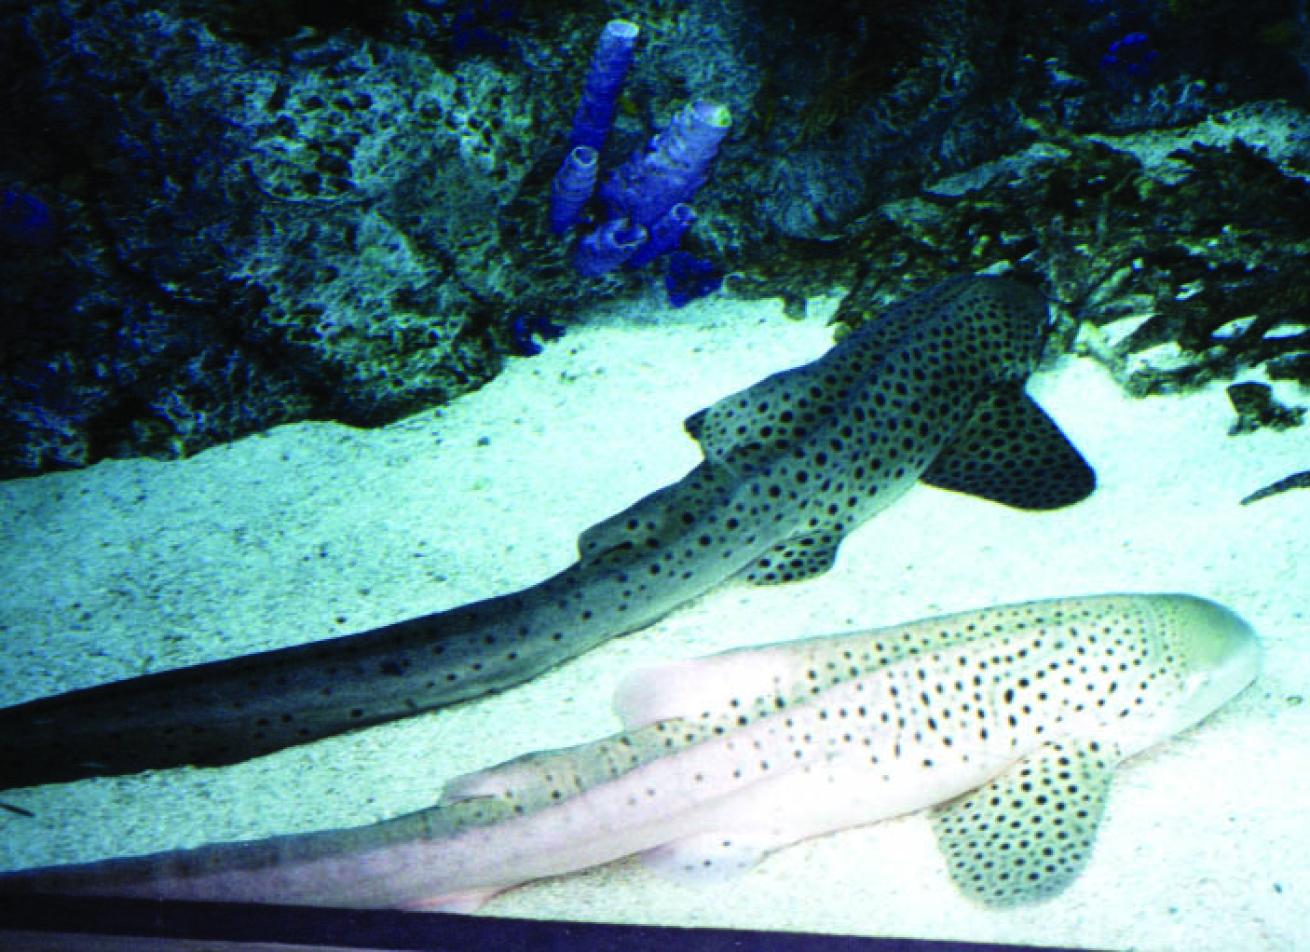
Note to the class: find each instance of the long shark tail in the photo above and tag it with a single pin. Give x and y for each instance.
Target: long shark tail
(227, 711)
(369, 865)
(418, 860)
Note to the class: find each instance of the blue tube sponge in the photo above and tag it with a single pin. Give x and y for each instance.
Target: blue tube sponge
(608, 247)
(664, 234)
(572, 188)
(600, 92)
(674, 165)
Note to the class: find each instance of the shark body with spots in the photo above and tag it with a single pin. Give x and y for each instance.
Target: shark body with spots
(931, 390)
(1006, 722)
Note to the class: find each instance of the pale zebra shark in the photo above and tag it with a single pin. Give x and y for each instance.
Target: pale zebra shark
(1006, 722)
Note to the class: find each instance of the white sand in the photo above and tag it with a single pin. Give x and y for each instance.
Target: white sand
(316, 530)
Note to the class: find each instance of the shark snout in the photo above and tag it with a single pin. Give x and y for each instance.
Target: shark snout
(1220, 655)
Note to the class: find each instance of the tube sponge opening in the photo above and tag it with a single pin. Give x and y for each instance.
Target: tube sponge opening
(645, 199)
(572, 188)
(674, 165)
(607, 247)
(665, 234)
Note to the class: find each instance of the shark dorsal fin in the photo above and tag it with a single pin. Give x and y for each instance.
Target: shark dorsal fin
(755, 424)
(659, 517)
(1011, 452)
(765, 418)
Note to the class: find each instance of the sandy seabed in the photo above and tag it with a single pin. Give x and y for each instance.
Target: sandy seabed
(316, 530)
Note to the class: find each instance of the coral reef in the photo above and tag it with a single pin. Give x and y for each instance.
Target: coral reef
(219, 216)
(1175, 253)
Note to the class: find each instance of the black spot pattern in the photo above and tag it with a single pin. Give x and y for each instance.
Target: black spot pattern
(1051, 686)
(1058, 690)
(1025, 836)
(659, 519)
(1012, 453)
(791, 466)
(963, 332)
(795, 560)
(933, 386)
(935, 694)
(545, 779)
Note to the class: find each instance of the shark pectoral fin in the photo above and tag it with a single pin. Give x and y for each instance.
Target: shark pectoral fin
(707, 857)
(794, 560)
(1011, 452)
(1028, 833)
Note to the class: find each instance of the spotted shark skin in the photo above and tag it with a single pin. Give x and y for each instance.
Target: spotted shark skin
(932, 390)
(1005, 723)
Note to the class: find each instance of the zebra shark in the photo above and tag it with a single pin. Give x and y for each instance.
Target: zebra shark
(1006, 723)
(931, 390)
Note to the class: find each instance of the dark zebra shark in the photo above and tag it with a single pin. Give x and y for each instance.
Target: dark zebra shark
(931, 390)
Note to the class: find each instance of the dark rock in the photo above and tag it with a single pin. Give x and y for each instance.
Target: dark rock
(1256, 408)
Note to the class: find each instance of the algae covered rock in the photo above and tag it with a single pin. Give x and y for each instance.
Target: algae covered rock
(252, 214)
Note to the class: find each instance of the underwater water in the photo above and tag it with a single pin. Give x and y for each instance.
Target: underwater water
(314, 529)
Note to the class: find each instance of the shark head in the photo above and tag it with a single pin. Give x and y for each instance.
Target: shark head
(1216, 655)
(1137, 669)
(1157, 666)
